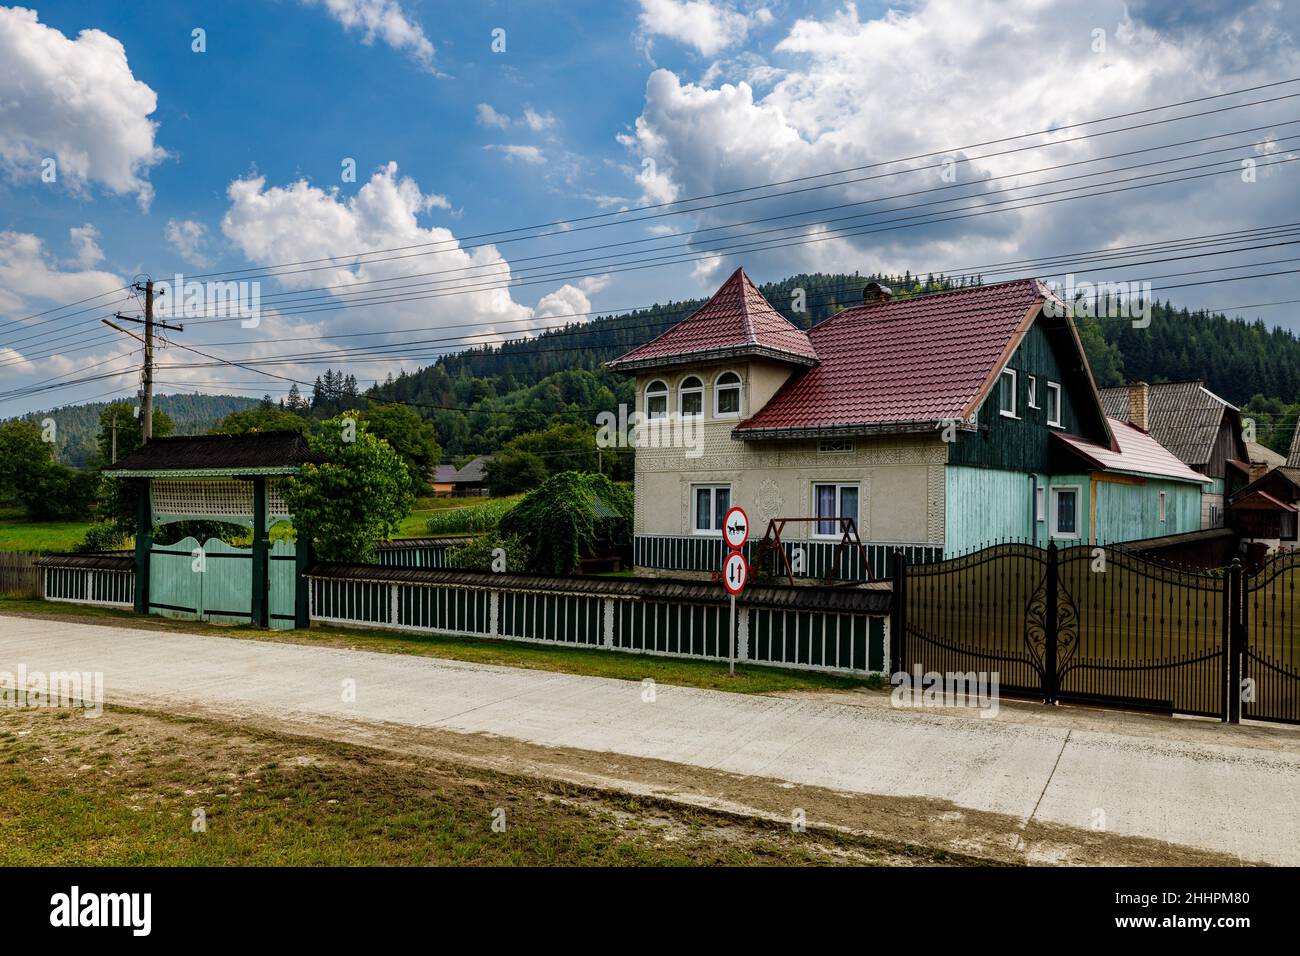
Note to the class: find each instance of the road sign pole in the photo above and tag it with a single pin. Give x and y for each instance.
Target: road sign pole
(732, 632)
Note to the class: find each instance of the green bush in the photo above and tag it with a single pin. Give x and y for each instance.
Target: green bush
(102, 536)
(571, 516)
(479, 554)
(358, 496)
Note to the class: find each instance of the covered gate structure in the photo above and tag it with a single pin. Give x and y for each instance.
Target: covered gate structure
(234, 479)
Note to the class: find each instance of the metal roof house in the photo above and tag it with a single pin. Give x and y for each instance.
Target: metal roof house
(1201, 428)
(470, 480)
(937, 423)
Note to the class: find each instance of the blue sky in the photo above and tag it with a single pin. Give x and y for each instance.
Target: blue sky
(172, 160)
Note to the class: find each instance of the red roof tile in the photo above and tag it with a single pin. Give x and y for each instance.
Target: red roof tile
(736, 319)
(1138, 454)
(920, 360)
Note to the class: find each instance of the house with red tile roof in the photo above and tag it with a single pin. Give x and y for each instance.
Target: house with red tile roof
(937, 423)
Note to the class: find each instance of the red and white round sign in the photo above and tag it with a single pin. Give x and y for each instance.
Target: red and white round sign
(735, 528)
(735, 572)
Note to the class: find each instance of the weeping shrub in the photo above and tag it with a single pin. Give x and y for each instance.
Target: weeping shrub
(570, 516)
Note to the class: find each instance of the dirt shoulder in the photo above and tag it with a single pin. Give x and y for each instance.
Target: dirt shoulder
(916, 827)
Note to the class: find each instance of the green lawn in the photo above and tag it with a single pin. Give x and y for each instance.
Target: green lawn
(710, 675)
(19, 533)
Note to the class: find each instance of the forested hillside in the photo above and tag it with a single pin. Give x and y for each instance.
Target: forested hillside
(78, 425)
(480, 398)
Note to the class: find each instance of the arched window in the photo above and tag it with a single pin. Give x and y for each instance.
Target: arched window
(726, 395)
(690, 397)
(656, 400)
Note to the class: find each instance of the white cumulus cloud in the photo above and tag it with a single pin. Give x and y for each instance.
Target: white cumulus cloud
(383, 20)
(187, 236)
(77, 103)
(856, 90)
(706, 25)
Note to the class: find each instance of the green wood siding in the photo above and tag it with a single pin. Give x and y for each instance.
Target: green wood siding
(985, 505)
(1024, 443)
(1130, 512)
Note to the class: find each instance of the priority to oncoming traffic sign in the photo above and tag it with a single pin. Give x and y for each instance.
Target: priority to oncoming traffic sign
(735, 572)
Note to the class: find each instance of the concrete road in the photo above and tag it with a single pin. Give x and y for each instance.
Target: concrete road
(1228, 798)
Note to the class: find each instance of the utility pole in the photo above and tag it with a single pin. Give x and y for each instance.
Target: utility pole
(113, 453)
(146, 375)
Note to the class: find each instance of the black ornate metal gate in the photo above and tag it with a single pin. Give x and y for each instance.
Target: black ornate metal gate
(1102, 625)
(1269, 639)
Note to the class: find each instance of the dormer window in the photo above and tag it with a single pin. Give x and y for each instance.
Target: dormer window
(690, 397)
(726, 395)
(656, 400)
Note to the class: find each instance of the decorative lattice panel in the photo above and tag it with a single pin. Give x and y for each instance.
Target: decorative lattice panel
(221, 499)
(276, 508)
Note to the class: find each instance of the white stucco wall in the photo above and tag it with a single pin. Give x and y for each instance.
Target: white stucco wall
(900, 478)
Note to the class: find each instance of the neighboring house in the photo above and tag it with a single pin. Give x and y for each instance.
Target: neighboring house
(1201, 428)
(1263, 459)
(938, 423)
(1265, 511)
(449, 480)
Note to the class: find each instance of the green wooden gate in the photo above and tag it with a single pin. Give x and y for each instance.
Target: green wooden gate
(282, 585)
(215, 583)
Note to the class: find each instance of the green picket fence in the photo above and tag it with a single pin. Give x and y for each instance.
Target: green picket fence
(839, 630)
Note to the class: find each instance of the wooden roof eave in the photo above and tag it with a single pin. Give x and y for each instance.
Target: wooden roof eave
(731, 352)
(203, 472)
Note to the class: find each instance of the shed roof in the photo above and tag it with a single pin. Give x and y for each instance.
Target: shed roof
(1293, 459)
(1138, 454)
(263, 453)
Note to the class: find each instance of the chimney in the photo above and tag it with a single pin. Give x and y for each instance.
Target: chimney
(876, 294)
(1139, 405)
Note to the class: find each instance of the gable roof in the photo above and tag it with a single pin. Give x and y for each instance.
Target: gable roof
(255, 453)
(1183, 416)
(737, 320)
(905, 364)
(1263, 455)
(1284, 479)
(1293, 459)
(471, 473)
(1138, 454)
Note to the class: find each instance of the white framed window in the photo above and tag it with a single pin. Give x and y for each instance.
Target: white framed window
(709, 507)
(835, 446)
(690, 397)
(656, 400)
(1164, 503)
(726, 395)
(1065, 512)
(1007, 393)
(1032, 398)
(1054, 404)
(1287, 526)
(834, 500)
(1040, 512)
